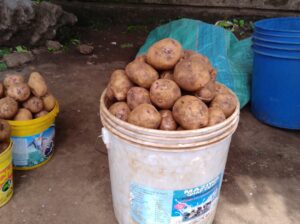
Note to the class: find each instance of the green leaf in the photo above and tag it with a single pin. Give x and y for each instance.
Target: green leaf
(224, 23)
(3, 66)
(235, 21)
(242, 23)
(4, 51)
(126, 45)
(21, 49)
(75, 41)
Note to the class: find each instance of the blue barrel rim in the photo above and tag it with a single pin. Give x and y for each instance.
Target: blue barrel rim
(276, 35)
(259, 24)
(273, 55)
(276, 41)
(275, 47)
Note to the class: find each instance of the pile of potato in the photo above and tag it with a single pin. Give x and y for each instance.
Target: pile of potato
(25, 101)
(4, 135)
(169, 89)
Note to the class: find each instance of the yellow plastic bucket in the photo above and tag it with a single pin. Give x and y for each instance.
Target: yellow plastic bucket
(33, 141)
(6, 175)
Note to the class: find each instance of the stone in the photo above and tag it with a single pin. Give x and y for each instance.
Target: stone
(85, 49)
(54, 45)
(24, 22)
(17, 59)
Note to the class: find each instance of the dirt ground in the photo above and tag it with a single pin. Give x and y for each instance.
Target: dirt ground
(261, 183)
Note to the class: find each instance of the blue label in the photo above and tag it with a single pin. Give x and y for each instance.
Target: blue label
(32, 150)
(153, 206)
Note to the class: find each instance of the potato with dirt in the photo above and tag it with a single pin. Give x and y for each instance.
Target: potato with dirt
(207, 92)
(119, 84)
(12, 79)
(5, 130)
(141, 58)
(216, 116)
(164, 93)
(145, 115)
(37, 84)
(23, 115)
(164, 54)
(19, 92)
(137, 96)
(167, 121)
(49, 102)
(8, 108)
(120, 110)
(227, 102)
(141, 73)
(190, 112)
(34, 104)
(191, 74)
(41, 114)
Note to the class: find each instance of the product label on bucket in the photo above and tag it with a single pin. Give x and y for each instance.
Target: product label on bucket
(188, 206)
(32, 150)
(6, 184)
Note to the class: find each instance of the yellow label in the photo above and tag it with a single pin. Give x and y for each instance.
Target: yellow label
(6, 184)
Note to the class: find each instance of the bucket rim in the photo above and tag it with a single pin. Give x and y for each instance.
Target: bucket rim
(276, 41)
(159, 132)
(275, 47)
(259, 24)
(274, 55)
(51, 115)
(279, 34)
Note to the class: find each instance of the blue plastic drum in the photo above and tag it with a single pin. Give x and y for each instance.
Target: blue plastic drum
(276, 72)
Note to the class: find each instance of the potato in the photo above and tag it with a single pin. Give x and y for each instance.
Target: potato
(4, 130)
(164, 54)
(49, 102)
(207, 92)
(109, 98)
(180, 129)
(119, 84)
(120, 110)
(137, 96)
(191, 74)
(19, 92)
(23, 115)
(145, 115)
(41, 114)
(167, 121)
(34, 104)
(1, 90)
(3, 146)
(164, 93)
(12, 79)
(141, 74)
(216, 116)
(8, 108)
(167, 75)
(190, 112)
(37, 84)
(227, 102)
(221, 89)
(188, 54)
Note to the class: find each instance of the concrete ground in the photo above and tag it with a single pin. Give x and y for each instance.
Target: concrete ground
(261, 183)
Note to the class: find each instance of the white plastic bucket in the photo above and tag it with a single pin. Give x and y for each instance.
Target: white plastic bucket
(165, 177)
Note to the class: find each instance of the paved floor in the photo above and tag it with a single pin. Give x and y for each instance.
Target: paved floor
(261, 183)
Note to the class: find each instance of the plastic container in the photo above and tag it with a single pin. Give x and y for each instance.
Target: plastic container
(165, 176)
(6, 176)
(275, 90)
(33, 141)
(275, 80)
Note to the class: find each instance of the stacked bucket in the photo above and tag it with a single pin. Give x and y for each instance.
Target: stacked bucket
(276, 72)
